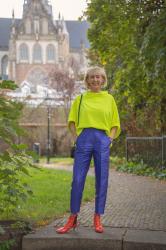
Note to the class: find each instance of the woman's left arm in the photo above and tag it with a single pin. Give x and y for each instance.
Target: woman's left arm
(113, 132)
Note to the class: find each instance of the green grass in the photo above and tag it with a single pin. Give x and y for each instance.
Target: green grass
(51, 198)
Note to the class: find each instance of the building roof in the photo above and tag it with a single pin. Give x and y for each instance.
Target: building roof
(4, 33)
(77, 33)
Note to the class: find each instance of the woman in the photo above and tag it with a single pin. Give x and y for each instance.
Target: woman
(94, 123)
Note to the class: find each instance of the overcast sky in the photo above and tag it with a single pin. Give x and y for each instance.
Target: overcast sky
(70, 9)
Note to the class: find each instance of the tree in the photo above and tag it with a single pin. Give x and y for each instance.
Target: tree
(127, 38)
(153, 55)
(64, 82)
(14, 159)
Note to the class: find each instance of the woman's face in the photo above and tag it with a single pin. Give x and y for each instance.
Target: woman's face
(95, 82)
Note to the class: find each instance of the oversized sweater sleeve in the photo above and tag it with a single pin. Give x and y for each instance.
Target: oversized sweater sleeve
(73, 114)
(115, 118)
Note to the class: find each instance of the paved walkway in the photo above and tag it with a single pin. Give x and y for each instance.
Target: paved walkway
(133, 203)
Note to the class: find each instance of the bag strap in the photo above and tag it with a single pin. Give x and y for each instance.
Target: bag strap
(79, 109)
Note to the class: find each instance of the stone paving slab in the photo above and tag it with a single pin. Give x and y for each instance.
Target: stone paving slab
(82, 238)
(143, 240)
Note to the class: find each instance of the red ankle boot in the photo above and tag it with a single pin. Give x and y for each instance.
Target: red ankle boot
(71, 223)
(97, 224)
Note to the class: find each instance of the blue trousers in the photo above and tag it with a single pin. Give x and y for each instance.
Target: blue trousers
(91, 143)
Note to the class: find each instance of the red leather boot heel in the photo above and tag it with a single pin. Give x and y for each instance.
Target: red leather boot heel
(71, 224)
(97, 224)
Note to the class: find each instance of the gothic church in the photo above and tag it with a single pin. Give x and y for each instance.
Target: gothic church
(32, 46)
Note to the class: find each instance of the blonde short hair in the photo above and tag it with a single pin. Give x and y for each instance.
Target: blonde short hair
(94, 70)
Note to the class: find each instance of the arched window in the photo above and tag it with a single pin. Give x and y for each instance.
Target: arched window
(50, 53)
(24, 52)
(37, 53)
(37, 76)
(4, 67)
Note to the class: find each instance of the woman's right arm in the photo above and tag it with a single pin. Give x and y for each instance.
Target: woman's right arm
(72, 129)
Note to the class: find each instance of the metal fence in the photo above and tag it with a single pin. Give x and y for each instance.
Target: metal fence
(150, 150)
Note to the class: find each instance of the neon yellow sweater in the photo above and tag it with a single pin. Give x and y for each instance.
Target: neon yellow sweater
(97, 110)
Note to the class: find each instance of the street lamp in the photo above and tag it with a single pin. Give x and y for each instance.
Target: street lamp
(48, 128)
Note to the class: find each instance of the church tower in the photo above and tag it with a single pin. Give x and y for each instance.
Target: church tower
(37, 43)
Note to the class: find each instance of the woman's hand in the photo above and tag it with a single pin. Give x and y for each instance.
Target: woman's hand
(111, 139)
(75, 137)
(113, 133)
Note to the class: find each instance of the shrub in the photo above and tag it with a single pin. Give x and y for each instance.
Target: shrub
(137, 168)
